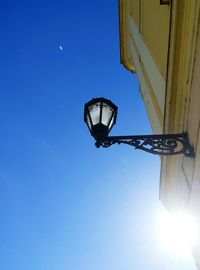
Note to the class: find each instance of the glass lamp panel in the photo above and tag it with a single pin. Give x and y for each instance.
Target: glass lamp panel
(107, 112)
(111, 122)
(94, 111)
(88, 121)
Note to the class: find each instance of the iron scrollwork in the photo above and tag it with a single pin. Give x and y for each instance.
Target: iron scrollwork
(169, 144)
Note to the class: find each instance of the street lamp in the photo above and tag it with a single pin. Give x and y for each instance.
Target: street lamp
(100, 115)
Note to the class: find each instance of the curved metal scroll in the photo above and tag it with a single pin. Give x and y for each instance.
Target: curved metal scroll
(170, 144)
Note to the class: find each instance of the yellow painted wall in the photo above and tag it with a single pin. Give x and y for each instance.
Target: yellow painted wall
(144, 33)
(152, 20)
(150, 39)
(135, 8)
(125, 56)
(155, 20)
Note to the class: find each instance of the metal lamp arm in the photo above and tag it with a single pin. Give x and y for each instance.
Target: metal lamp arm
(169, 144)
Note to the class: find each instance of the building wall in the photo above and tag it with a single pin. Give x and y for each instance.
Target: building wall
(181, 112)
(142, 53)
(163, 43)
(155, 18)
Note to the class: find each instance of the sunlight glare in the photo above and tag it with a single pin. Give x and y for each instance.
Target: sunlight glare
(178, 232)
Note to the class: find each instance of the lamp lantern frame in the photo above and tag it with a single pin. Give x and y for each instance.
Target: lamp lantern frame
(100, 116)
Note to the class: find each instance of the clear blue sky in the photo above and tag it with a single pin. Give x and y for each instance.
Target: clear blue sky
(63, 203)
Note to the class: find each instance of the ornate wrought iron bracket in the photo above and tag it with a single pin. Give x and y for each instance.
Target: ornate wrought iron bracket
(169, 144)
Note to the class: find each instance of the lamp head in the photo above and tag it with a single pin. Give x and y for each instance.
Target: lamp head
(100, 115)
